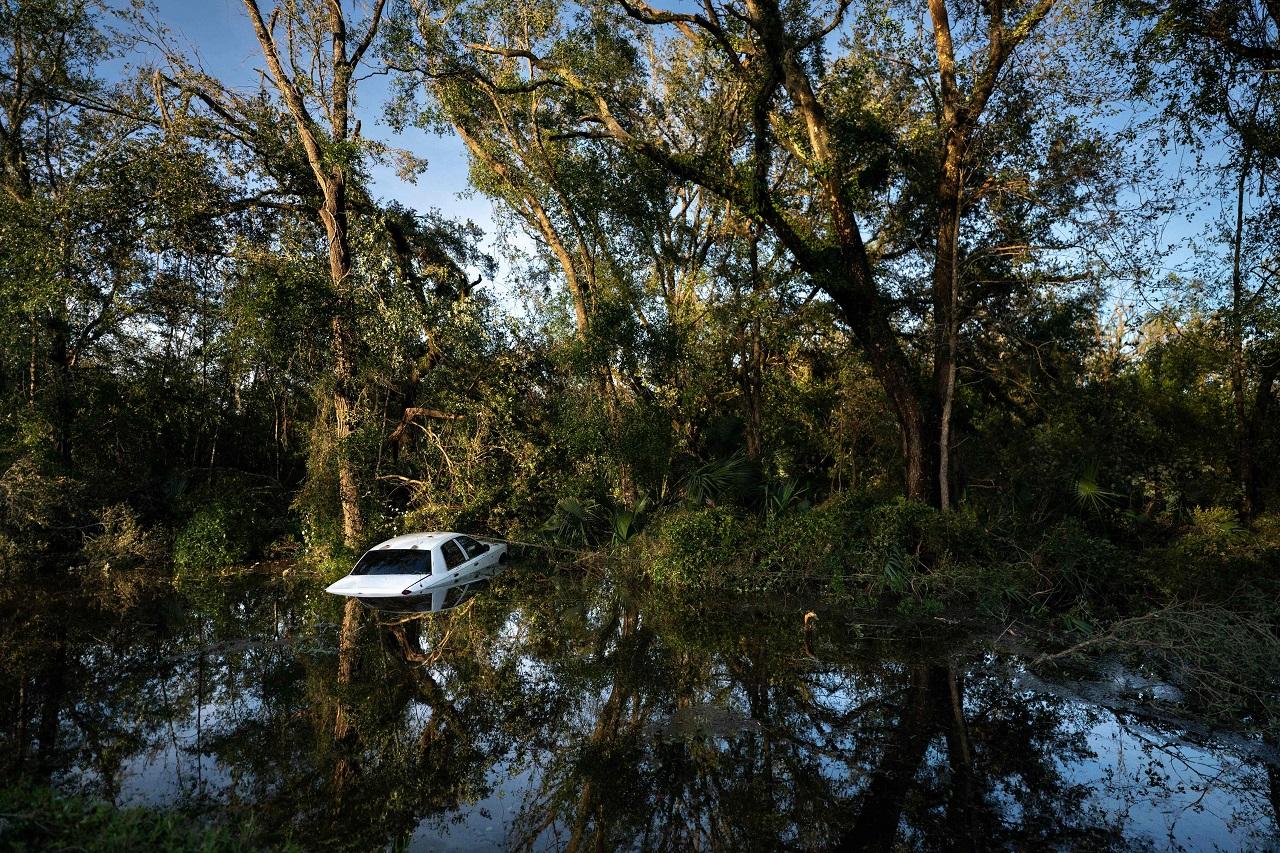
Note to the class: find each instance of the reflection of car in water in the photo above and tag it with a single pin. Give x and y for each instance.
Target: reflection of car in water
(436, 601)
(420, 567)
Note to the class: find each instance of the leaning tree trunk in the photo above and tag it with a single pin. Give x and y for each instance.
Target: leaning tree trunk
(330, 180)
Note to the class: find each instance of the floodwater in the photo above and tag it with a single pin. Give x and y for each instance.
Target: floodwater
(562, 712)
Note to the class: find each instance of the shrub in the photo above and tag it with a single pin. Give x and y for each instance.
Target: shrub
(217, 535)
(120, 542)
(796, 545)
(698, 546)
(1215, 555)
(233, 519)
(1076, 564)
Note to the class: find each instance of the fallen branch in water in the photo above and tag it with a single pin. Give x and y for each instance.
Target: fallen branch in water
(1224, 655)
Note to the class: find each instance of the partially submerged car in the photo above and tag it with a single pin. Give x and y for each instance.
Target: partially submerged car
(419, 564)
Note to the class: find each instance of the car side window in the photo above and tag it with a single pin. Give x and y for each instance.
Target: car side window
(472, 547)
(452, 554)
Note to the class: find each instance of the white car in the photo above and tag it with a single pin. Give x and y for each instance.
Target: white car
(419, 564)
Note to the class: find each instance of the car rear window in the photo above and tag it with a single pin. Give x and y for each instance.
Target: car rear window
(394, 561)
(452, 554)
(472, 547)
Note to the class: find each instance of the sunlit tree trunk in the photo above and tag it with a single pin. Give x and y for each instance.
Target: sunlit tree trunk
(330, 173)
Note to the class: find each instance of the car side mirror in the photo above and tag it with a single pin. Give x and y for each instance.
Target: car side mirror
(488, 548)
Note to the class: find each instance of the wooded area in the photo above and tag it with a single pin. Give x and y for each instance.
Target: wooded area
(954, 322)
(852, 290)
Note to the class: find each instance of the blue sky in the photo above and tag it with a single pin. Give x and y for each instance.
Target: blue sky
(219, 33)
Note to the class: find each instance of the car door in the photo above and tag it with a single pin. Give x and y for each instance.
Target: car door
(473, 550)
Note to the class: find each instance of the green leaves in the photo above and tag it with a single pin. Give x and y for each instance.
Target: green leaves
(713, 481)
(1089, 495)
(574, 521)
(783, 496)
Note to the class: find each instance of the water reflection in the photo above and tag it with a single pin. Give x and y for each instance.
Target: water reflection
(578, 714)
(435, 601)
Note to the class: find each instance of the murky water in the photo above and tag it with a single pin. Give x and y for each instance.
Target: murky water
(564, 713)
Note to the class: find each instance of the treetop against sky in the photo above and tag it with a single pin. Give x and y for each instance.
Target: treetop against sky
(218, 36)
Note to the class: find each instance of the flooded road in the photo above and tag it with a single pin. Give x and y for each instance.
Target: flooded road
(556, 713)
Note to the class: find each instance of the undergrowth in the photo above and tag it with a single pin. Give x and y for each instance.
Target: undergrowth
(38, 818)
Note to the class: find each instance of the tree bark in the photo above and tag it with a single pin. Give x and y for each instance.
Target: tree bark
(1245, 462)
(946, 314)
(752, 353)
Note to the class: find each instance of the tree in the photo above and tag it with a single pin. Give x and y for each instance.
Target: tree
(108, 230)
(312, 70)
(1227, 55)
(812, 149)
(330, 167)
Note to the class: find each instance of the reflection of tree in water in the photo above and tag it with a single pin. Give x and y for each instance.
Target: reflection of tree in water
(841, 753)
(369, 743)
(645, 725)
(104, 689)
(78, 682)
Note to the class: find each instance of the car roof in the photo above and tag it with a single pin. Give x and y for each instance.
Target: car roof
(415, 540)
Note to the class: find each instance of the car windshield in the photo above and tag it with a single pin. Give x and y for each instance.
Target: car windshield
(394, 562)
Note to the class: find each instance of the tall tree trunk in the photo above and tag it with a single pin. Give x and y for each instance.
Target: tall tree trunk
(344, 417)
(751, 372)
(344, 392)
(1268, 372)
(955, 129)
(752, 383)
(1245, 464)
(915, 428)
(62, 402)
(946, 314)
